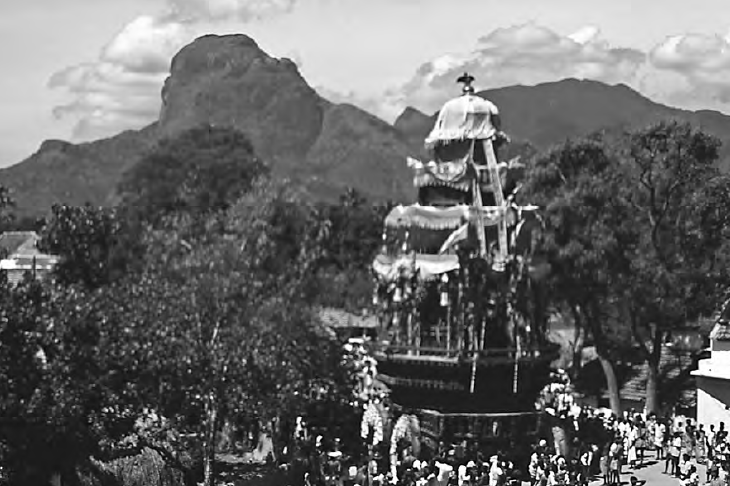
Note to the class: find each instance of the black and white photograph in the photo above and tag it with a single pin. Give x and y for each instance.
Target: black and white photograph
(364, 243)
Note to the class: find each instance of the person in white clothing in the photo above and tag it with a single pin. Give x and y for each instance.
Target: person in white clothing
(660, 431)
(461, 478)
(692, 479)
(444, 472)
(495, 472)
(632, 435)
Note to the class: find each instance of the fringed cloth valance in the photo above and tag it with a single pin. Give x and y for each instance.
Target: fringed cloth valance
(427, 179)
(465, 117)
(430, 217)
(457, 173)
(428, 266)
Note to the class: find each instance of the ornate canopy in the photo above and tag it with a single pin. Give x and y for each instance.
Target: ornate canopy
(466, 117)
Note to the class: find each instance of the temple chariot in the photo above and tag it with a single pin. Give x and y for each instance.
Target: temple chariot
(461, 345)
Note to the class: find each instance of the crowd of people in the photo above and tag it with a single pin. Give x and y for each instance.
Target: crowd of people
(603, 447)
(595, 445)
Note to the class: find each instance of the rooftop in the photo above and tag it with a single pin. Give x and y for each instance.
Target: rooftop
(18, 242)
(676, 384)
(19, 255)
(339, 319)
(675, 379)
(721, 331)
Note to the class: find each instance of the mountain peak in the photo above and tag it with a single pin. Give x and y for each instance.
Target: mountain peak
(414, 125)
(216, 52)
(410, 113)
(53, 145)
(232, 54)
(228, 81)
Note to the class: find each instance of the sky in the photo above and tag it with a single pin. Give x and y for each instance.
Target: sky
(85, 69)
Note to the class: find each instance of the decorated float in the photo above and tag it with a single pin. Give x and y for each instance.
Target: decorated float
(461, 341)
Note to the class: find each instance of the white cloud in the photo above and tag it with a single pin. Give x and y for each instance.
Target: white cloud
(585, 35)
(245, 10)
(121, 89)
(108, 99)
(522, 54)
(146, 44)
(702, 60)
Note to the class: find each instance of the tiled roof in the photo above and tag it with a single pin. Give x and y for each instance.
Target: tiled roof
(15, 276)
(675, 383)
(20, 255)
(12, 242)
(721, 331)
(338, 319)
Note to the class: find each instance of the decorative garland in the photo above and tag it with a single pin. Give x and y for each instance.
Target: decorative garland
(406, 427)
(556, 398)
(372, 422)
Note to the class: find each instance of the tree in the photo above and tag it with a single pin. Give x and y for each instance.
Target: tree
(96, 245)
(56, 382)
(354, 238)
(21, 372)
(574, 185)
(199, 171)
(678, 268)
(6, 203)
(207, 329)
(635, 230)
(224, 326)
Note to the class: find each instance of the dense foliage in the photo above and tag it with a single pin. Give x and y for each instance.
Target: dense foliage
(189, 306)
(200, 171)
(354, 237)
(6, 204)
(636, 233)
(97, 245)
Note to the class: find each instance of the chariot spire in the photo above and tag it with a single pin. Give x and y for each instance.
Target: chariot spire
(466, 79)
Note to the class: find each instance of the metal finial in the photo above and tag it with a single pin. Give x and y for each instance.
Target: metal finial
(466, 79)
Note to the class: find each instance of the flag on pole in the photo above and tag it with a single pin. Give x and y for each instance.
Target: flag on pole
(458, 235)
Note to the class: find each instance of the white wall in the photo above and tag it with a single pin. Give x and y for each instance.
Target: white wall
(719, 346)
(713, 401)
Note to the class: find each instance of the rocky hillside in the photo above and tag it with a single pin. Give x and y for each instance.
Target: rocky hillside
(75, 174)
(230, 81)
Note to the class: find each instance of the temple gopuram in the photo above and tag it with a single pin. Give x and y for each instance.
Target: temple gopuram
(461, 342)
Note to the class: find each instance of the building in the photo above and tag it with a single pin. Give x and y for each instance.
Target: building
(713, 374)
(676, 390)
(347, 325)
(22, 255)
